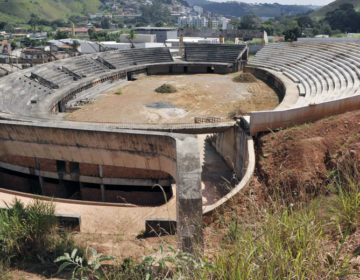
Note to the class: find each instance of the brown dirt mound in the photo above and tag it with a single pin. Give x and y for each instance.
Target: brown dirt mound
(303, 155)
(245, 78)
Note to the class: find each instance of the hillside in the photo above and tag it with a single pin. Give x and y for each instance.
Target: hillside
(333, 6)
(20, 10)
(239, 9)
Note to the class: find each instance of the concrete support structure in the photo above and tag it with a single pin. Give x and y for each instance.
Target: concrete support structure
(221, 39)
(41, 181)
(181, 46)
(176, 154)
(189, 198)
(102, 186)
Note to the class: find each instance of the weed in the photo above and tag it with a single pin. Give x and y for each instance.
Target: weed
(166, 88)
(85, 269)
(25, 231)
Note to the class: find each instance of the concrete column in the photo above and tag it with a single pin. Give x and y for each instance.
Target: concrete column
(102, 186)
(188, 195)
(221, 39)
(41, 180)
(181, 45)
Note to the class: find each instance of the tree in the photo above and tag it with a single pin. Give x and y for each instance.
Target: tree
(105, 23)
(75, 45)
(292, 34)
(345, 18)
(13, 45)
(2, 25)
(235, 22)
(250, 22)
(91, 33)
(304, 22)
(61, 35)
(34, 21)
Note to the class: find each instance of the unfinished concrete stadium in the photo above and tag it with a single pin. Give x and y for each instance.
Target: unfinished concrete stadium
(158, 172)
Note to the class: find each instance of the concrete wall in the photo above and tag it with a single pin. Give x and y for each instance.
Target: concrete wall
(255, 47)
(84, 169)
(232, 146)
(175, 154)
(270, 79)
(86, 144)
(270, 120)
(191, 68)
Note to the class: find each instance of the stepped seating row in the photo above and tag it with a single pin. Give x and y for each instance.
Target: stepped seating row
(54, 75)
(220, 53)
(85, 66)
(323, 71)
(130, 57)
(19, 93)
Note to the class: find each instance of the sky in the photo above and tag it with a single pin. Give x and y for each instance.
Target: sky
(286, 2)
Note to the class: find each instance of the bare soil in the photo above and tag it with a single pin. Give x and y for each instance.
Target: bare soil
(200, 95)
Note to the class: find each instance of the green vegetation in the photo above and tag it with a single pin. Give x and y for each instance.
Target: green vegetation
(321, 13)
(103, 35)
(166, 88)
(277, 240)
(20, 10)
(28, 234)
(245, 78)
(240, 9)
(118, 92)
(82, 268)
(344, 18)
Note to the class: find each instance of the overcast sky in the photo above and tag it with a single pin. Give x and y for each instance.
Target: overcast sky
(286, 2)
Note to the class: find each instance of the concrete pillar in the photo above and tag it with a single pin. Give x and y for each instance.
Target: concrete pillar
(102, 186)
(181, 45)
(221, 39)
(41, 180)
(188, 195)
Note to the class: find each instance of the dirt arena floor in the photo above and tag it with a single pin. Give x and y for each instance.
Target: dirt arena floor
(199, 95)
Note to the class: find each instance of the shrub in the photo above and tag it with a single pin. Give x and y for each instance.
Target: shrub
(82, 268)
(29, 234)
(26, 231)
(166, 88)
(346, 181)
(245, 78)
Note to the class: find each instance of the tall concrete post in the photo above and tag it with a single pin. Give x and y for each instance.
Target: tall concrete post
(102, 186)
(221, 39)
(188, 194)
(181, 45)
(41, 180)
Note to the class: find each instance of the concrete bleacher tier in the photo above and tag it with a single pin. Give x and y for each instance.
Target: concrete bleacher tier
(323, 70)
(86, 66)
(20, 92)
(130, 57)
(222, 53)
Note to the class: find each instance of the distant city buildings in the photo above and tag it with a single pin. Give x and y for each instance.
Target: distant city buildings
(202, 21)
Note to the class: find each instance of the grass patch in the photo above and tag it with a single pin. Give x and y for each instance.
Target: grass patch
(166, 88)
(29, 235)
(245, 78)
(118, 92)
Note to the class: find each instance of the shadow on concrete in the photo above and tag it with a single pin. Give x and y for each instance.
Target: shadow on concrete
(216, 175)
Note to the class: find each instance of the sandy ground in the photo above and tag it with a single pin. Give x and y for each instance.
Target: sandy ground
(200, 95)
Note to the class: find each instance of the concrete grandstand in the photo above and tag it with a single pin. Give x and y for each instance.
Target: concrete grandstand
(44, 154)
